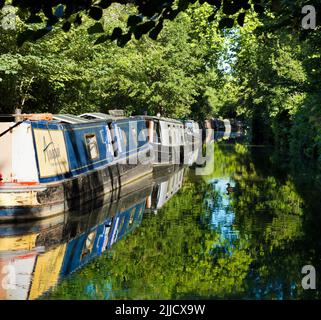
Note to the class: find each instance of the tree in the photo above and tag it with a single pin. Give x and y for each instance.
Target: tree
(149, 18)
(68, 73)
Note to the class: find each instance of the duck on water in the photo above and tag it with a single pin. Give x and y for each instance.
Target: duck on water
(50, 164)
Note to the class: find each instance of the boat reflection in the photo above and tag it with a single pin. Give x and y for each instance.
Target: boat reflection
(35, 256)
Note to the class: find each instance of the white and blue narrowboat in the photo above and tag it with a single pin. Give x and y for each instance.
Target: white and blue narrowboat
(167, 138)
(171, 140)
(52, 164)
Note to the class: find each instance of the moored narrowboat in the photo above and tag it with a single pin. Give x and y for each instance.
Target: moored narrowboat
(193, 139)
(167, 138)
(57, 163)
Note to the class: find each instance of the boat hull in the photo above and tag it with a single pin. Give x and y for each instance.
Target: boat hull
(40, 202)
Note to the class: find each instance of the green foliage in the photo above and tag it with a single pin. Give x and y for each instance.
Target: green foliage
(42, 16)
(66, 72)
(274, 83)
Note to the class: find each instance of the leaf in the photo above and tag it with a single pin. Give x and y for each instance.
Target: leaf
(117, 32)
(226, 23)
(96, 28)
(258, 8)
(96, 13)
(241, 18)
(102, 39)
(134, 20)
(66, 26)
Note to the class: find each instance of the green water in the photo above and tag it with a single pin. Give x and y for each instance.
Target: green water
(249, 241)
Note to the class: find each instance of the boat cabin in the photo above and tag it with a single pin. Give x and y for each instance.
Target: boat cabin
(167, 137)
(52, 165)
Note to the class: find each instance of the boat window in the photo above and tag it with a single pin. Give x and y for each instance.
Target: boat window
(112, 133)
(109, 141)
(124, 138)
(157, 135)
(175, 134)
(169, 135)
(92, 146)
(134, 136)
(142, 133)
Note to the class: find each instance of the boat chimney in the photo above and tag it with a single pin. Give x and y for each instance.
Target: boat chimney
(17, 115)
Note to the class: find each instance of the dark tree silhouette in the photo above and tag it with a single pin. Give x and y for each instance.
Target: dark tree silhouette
(149, 19)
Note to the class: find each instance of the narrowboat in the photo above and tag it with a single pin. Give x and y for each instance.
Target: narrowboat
(228, 129)
(227, 125)
(172, 140)
(224, 129)
(167, 138)
(215, 124)
(193, 139)
(56, 163)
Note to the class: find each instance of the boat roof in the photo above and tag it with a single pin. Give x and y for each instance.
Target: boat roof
(163, 119)
(99, 116)
(89, 117)
(85, 118)
(69, 118)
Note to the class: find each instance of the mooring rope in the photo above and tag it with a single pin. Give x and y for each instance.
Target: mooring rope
(9, 129)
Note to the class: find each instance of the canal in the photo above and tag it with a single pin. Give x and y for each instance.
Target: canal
(242, 231)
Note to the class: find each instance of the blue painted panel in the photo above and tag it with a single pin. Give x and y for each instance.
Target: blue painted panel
(130, 135)
(127, 130)
(78, 153)
(77, 149)
(77, 254)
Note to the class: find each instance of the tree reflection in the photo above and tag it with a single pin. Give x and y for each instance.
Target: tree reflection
(207, 242)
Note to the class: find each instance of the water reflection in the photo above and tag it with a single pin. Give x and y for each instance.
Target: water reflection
(244, 231)
(35, 256)
(223, 216)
